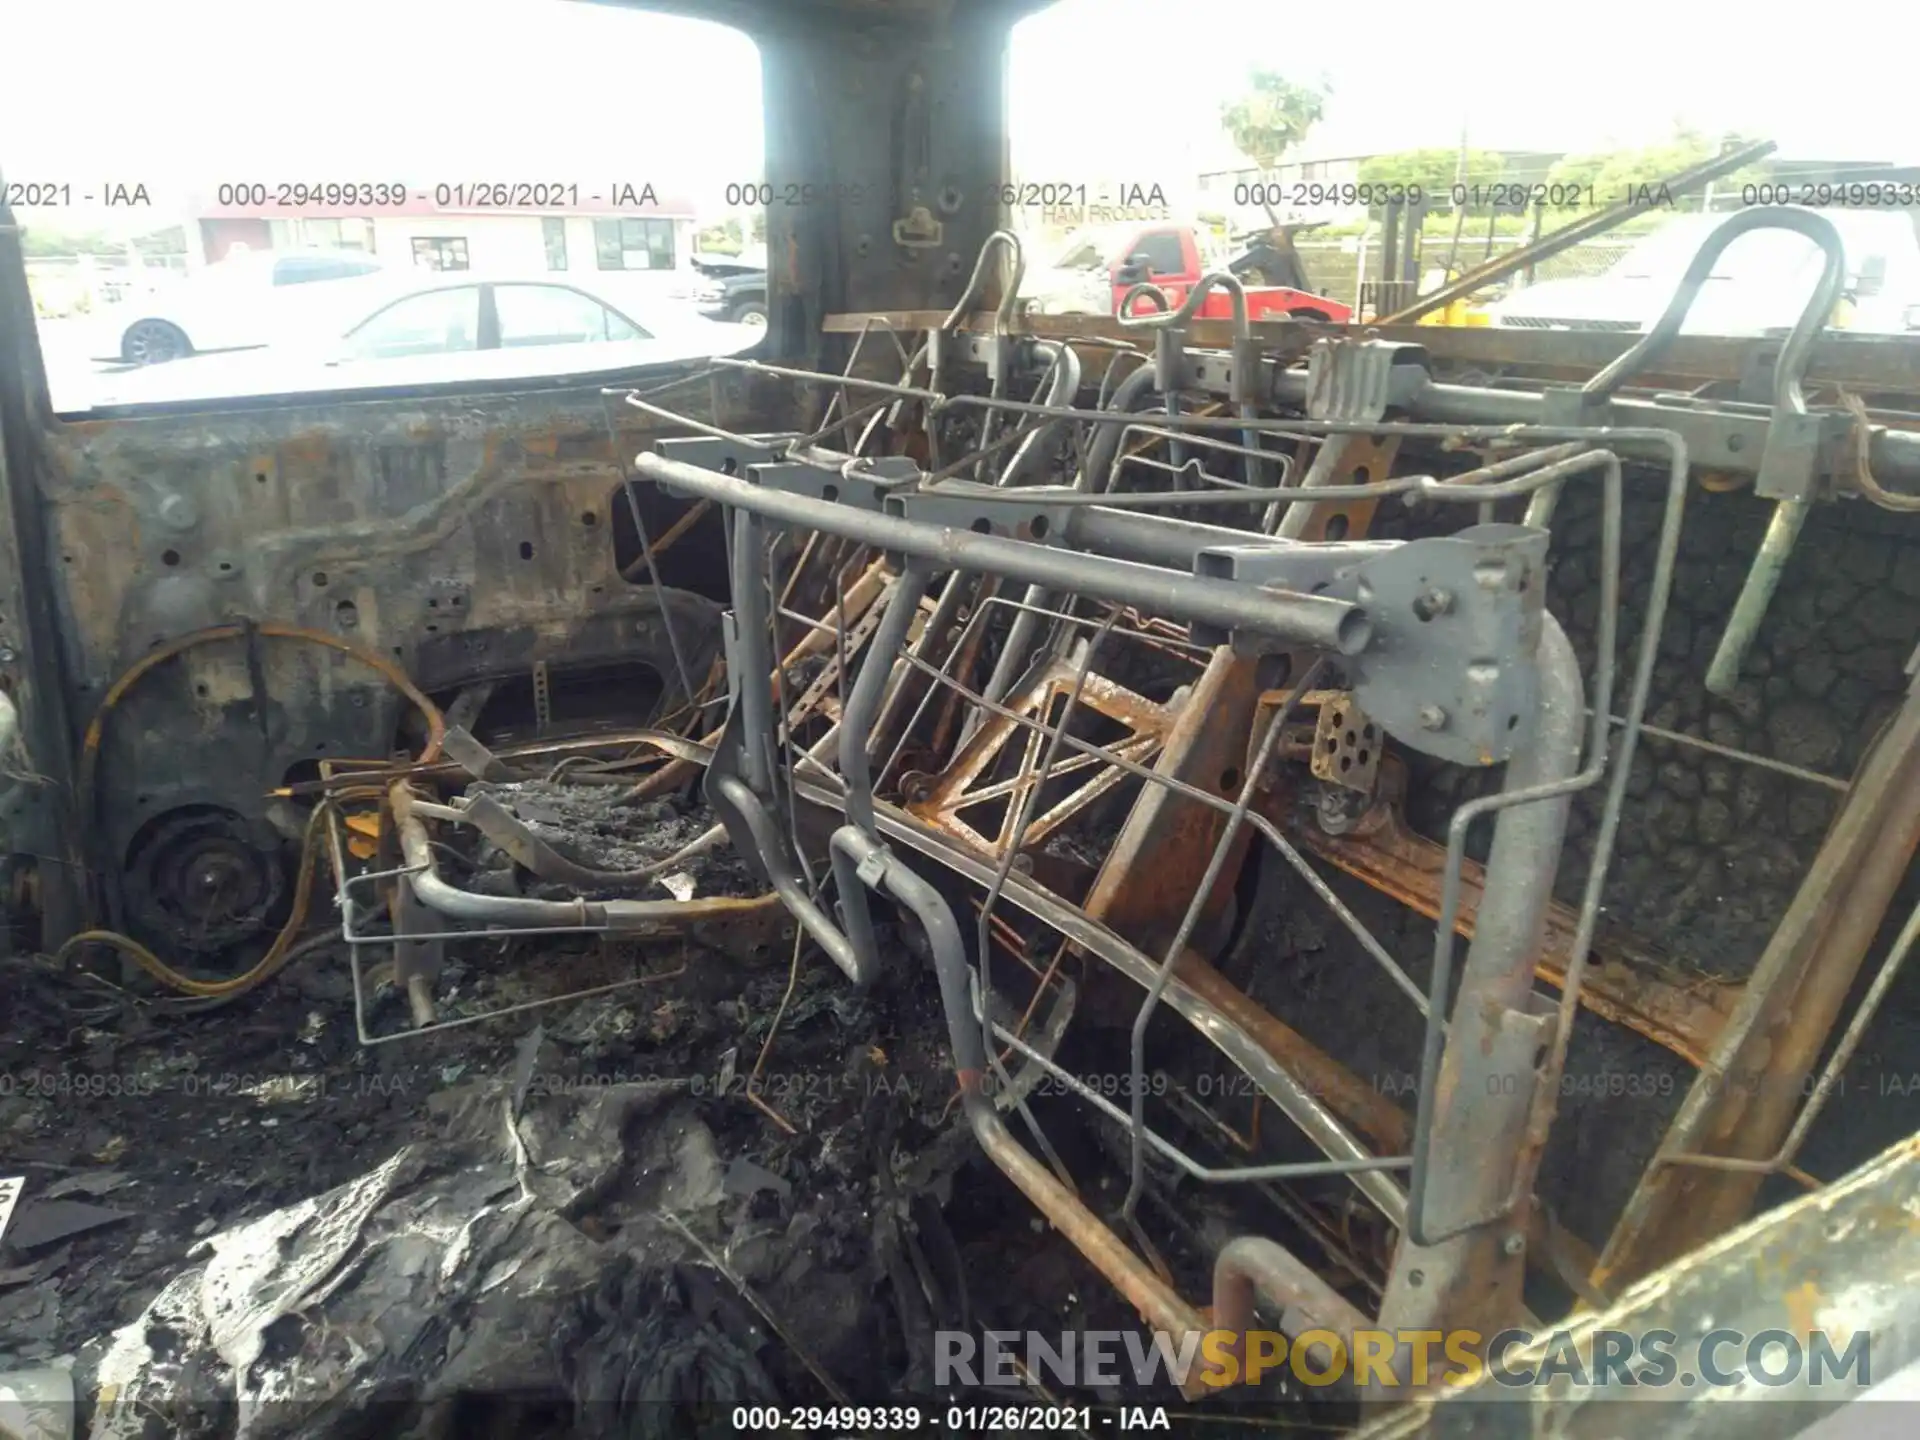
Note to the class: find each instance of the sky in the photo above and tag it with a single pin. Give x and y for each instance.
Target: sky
(180, 94)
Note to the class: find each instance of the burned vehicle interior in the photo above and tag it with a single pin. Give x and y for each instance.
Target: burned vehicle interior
(682, 887)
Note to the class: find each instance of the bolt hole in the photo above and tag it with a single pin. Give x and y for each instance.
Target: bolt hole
(202, 691)
(1362, 757)
(1362, 475)
(1040, 527)
(526, 549)
(1346, 763)
(1230, 779)
(1333, 743)
(1513, 722)
(1338, 525)
(1424, 609)
(169, 557)
(1352, 738)
(830, 493)
(259, 477)
(1368, 731)
(320, 579)
(729, 466)
(457, 601)
(433, 604)
(589, 519)
(433, 629)
(226, 567)
(982, 526)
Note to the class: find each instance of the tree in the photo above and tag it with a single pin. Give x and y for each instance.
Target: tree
(721, 239)
(1613, 175)
(1273, 116)
(1433, 171)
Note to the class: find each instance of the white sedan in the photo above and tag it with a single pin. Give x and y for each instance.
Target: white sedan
(413, 329)
(1759, 284)
(233, 304)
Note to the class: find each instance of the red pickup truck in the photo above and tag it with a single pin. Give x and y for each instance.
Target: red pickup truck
(1096, 268)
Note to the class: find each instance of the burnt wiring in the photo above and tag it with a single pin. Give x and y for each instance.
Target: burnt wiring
(279, 952)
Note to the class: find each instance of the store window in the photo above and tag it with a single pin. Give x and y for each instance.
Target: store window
(633, 244)
(553, 233)
(439, 252)
(350, 234)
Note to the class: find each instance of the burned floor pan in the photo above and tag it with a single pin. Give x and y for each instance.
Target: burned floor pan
(562, 1233)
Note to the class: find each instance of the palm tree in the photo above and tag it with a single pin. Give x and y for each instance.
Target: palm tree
(1269, 120)
(1273, 116)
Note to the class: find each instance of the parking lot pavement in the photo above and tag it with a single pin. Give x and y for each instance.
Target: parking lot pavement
(69, 348)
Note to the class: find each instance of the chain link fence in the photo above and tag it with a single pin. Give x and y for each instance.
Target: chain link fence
(1335, 266)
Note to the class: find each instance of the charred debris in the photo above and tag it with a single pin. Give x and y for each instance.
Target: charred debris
(1092, 827)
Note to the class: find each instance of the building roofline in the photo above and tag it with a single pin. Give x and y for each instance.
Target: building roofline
(605, 200)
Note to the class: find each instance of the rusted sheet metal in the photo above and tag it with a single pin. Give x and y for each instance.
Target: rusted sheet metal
(1857, 362)
(1366, 459)
(1160, 855)
(967, 782)
(1746, 1098)
(1619, 984)
(1843, 1262)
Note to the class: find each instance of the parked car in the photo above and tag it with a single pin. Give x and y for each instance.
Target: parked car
(1758, 285)
(424, 328)
(733, 287)
(233, 304)
(1092, 271)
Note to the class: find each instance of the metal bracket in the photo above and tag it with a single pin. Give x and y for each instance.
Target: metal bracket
(949, 506)
(1457, 626)
(1456, 622)
(711, 452)
(1006, 355)
(1757, 376)
(542, 698)
(865, 488)
(1346, 745)
(1504, 1065)
(470, 755)
(918, 230)
(1312, 568)
(1570, 407)
(1797, 446)
(1170, 358)
(1353, 379)
(1246, 382)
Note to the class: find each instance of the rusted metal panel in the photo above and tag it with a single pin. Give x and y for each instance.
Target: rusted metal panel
(1843, 1263)
(1161, 853)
